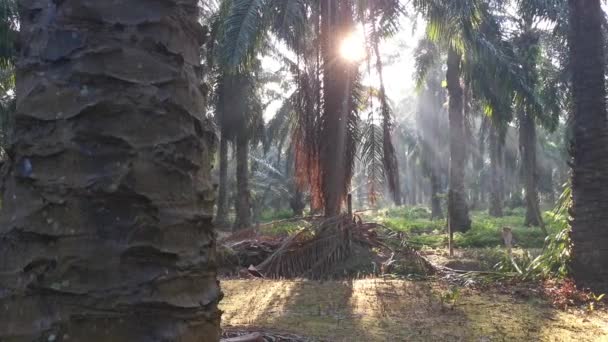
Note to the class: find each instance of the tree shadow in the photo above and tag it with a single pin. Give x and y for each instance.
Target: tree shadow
(395, 310)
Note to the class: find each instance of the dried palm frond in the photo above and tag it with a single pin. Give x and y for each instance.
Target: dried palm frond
(318, 251)
(311, 252)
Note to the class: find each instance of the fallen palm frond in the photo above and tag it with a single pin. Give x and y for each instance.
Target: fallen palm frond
(293, 219)
(322, 250)
(265, 336)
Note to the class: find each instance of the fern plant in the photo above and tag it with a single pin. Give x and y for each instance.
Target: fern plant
(554, 260)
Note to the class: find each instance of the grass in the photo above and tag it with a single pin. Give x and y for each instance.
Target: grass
(275, 215)
(282, 228)
(486, 231)
(399, 310)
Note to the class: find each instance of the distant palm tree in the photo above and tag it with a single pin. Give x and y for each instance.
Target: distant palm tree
(239, 112)
(480, 57)
(105, 230)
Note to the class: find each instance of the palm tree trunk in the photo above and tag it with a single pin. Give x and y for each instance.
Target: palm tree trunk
(414, 182)
(221, 217)
(495, 174)
(458, 211)
(106, 231)
(527, 146)
(336, 157)
(590, 155)
(243, 201)
(478, 164)
(550, 199)
(436, 212)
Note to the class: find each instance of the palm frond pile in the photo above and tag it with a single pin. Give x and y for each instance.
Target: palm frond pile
(337, 247)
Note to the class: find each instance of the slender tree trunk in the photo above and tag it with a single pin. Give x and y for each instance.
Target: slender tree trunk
(527, 146)
(436, 212)
(414, 182)
(496, 198)
(479, 163)
(221, 217)
(243, 200)
(405, 192)
(106, 231)
(458, 211)
(590, 152)
(551, 193)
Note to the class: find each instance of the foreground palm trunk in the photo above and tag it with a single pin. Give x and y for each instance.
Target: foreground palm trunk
(458, 211)
(336, 158)
(106, 228)
(590, 152)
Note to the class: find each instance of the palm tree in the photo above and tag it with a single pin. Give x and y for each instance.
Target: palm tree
(540, 75)
(432, 123)
(106, 231)
(327, 132)
(458, 211)
(451, 23)
(337, 152)
(239, 113)
(590, 138)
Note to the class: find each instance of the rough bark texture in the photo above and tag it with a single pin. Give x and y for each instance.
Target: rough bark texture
(496, 196)
(336, 23)
(106, 232)
(243, 201)
(458, 211)
(590, 152)
(527, 146)
(221, 217)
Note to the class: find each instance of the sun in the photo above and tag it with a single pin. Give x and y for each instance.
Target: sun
(352, 48)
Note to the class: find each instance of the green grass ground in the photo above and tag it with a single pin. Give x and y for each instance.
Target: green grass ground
(422, 232)
(480, 248)
(486, 231)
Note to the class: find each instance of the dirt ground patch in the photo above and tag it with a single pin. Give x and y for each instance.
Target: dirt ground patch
(398, 310)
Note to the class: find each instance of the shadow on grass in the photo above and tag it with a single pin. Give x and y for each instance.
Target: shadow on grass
(395, 310)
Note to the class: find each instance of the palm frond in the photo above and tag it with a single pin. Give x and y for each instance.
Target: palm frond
(426, 55)
(372, 156)
(244, 27)
(9, 23)
(289, 22)
(389, 158)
